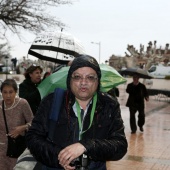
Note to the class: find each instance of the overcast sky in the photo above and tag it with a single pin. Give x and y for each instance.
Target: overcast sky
(113, 23)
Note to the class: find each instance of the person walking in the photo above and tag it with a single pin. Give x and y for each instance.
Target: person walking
(18, 117)
(46, 74)
(137, 94)
(28, 88)
(89, 124)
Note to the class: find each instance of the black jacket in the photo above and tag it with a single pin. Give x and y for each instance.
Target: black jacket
(104, 141)
(137, 94)
(28, 90)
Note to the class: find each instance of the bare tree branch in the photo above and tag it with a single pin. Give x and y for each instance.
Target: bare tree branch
(4, 49)
(29, 14)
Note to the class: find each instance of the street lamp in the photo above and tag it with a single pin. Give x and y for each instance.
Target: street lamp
(99, 44)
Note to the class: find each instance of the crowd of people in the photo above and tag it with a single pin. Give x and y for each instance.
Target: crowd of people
(89, 124)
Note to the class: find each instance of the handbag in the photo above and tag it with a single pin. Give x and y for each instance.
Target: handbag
(15, 146)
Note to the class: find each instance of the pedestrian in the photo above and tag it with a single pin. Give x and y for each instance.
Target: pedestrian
(18, 116)
(137, 94)
(46, 74)
(99, 134)
(28, 88)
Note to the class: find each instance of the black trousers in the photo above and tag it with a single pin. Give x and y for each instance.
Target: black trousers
(141, 117)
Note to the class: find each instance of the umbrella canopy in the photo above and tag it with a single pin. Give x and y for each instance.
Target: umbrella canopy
(57, 47)
(110, 78)
(137, 71)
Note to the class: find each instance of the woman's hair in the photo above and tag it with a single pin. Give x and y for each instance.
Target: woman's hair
(46, 74)
(31, 69)
(9, 82)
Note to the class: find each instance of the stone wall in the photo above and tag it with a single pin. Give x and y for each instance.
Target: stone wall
(143, 58)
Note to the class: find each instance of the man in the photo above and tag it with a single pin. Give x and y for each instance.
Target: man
(100, 135)
(28, 88)
(137, 93)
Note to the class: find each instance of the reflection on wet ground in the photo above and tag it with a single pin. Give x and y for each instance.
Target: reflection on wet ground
(149, 150)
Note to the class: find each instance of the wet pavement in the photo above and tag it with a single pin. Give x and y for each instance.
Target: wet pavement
(149, 150)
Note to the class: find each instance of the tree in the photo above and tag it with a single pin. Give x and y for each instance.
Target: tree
(29, 15)
(4, 49)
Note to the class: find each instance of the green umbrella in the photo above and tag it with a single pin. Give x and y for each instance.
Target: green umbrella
(110, 78)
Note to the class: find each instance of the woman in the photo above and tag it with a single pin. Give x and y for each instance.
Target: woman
(46, 74)
(18, 117)
(28, 88)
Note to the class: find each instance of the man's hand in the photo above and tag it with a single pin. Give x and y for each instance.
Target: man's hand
(70, 153)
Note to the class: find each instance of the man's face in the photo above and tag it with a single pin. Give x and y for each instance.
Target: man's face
(84, 83)
(135, 79)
